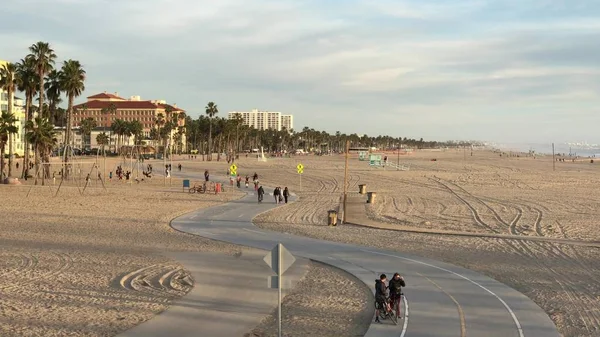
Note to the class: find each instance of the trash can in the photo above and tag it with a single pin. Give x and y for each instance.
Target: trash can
(362, 189)
(332, 216)
(371, 197)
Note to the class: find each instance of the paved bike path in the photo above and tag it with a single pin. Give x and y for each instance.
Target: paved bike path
(443, 299)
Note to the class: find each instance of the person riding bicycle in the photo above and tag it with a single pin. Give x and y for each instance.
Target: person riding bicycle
(380, 295)
(395, 286)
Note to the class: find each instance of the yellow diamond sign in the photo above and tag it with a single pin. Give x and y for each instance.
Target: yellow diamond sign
(300, 168)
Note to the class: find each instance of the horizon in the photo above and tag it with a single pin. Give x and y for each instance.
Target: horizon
(496, 71)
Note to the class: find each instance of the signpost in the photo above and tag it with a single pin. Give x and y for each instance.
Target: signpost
(280, 260)
(233, 169)
(300, 168)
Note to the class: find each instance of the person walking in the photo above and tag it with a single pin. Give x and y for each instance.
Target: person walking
(286, 194)
(276, 192)
(206, 176)
(261, 193)
(247, 181)
(239, 181)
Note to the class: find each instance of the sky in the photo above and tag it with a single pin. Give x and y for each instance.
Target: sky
(495, 70)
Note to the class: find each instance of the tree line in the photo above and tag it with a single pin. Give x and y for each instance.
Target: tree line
(210, 133)
(37, 76)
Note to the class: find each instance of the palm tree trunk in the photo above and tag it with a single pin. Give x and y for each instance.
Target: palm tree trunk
(2, 162)
(209, 139)
(28, 99)
(41, 93)
(68, 137)
(37, 164)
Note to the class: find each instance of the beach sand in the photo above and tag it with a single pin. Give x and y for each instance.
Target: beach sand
(69, 265)
(483, 193)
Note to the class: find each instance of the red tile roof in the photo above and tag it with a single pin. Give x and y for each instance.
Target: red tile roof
(119, 105)
(123, 105)
(164, 106)
(105, 96)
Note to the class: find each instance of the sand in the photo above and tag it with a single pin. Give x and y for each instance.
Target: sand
(318, 307)
(483, 193)
(75, 265)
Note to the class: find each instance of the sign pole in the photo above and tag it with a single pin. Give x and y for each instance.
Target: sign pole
(553, 159)
(300, 182)
(346, 182)
(279, 276)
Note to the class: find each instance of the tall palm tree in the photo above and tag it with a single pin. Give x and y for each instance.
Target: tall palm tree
(27, 79)
(40, 132)
(102, 139)
(53, 92)
(7, 129)
(72, 83)
(8, 82)
(45, 58)
(211, 111)
(109, 111)
(87, 125)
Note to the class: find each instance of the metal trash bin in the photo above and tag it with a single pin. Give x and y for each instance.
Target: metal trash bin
(332, 217)
(362, 189)
(371, 197)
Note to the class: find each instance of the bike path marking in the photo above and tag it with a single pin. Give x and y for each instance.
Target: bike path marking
(510, 311)
(461, 315)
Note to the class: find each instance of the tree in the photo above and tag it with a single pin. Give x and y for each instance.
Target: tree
(136, 129)
(72, 83)
(8, 82)
(53, 92)
(44, 58)
(7, 129)
(102, 139)
(211, 111)
(87, 125)
(40, 132)
(28, 83)
(109, 111)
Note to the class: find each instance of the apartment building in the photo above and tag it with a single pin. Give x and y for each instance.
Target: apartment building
(263, 120)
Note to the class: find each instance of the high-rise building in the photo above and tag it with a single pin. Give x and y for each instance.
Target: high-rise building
(263, 120)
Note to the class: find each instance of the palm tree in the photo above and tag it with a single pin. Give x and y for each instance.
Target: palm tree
(44, 63)
(40, 132)
(7, 129)
(72, 83)
(107, 112)
(28, 83)
(118, 127)
(53, 92)
(102, 139)
(136, 129)
(8, 82)
(87, 125)
(211, 111)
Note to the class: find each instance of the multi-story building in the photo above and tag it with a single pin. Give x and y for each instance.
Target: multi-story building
(105, 108)
(263, 120)
(18, 111)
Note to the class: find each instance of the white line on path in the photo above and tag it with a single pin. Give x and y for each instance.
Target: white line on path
(241, 215)
(253, 231)
(512, 314)
(405, 317)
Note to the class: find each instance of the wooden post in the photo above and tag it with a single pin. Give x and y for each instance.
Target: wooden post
(346, 182)
(398, 163)
(553, 159)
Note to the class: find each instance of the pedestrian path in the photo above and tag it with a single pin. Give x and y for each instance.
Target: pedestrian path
(229, 298)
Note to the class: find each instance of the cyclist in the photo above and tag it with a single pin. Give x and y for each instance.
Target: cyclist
(380, 295)
(396, 284)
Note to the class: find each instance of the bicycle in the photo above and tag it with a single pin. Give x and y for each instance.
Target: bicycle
(198, 188)
(386, 312)
(395, 303)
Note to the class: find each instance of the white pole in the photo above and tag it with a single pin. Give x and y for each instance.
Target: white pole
(279, 275)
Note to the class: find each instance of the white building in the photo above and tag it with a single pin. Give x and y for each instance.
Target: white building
(263, 120)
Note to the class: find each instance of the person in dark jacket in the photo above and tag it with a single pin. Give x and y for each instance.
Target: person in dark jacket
(206, 176)
(380, 295)
(261, 193)
(276, 194)
(396, 284)
(286, 194)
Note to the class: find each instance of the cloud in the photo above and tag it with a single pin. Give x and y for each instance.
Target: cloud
(428, 65)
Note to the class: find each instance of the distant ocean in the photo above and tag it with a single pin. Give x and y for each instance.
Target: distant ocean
(547, 148)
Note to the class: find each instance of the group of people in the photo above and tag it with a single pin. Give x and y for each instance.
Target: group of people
(381, 292)
(120, 173)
